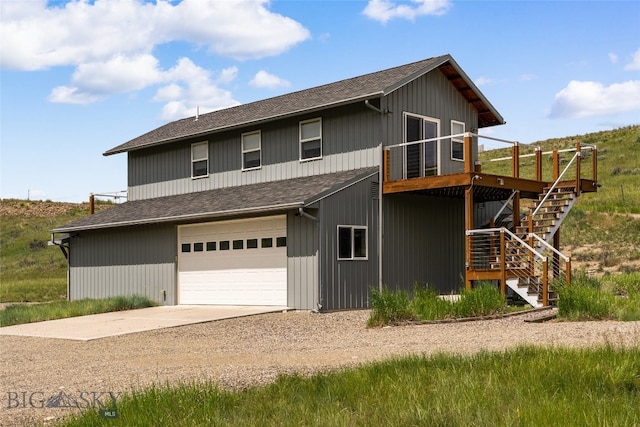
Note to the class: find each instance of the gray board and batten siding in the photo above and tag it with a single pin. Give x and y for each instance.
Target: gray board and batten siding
(350, 140)
(433, 96)
(136, 260)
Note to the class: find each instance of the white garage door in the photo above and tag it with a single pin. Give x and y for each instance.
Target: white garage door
(241, 262)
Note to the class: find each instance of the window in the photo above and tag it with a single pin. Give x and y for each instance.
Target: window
(252, 243)
(251, 149)
(267, 242)
(224, 245)
(457, 144)
(186, 247)
(421, 158)
(311, 139)
(281, 242)
(199, 159)
(352, 242)
(238, 244)
(211, 246)
(198, 247)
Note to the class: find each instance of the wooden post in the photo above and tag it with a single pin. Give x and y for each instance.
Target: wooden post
(567, 266)
(516, 210)
(545, 283)
(556, 164)
(468, 224)
(469, 162)
(386, 173)
(594, 163)
(515, 160)
(503, 264)
(538, 164)
(578, 158)
(91, 204)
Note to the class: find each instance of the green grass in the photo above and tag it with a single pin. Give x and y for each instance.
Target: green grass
(591, 298)
(16, 314)
(525, 386)
(389, 307)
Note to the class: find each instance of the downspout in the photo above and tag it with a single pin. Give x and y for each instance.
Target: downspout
(306, 215)
(371, 106)
(65, 252)
(302, 212)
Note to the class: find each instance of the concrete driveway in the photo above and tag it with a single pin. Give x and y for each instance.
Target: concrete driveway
(86, 328)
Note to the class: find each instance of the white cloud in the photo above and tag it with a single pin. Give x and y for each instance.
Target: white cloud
(613, 58)
(111, 43)
(586, 99)
(385, 10)
(634, 65)
(483, 81)
(191, 87)
(36, 36)
(262, 79)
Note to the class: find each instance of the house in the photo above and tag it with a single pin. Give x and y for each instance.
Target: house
(311, 199)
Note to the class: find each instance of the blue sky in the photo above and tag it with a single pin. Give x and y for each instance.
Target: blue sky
(80, 77)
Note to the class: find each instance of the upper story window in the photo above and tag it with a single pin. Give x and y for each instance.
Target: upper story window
(251, 150)
(352, 242)
(311, 139)
(457, 144)
(199, 159)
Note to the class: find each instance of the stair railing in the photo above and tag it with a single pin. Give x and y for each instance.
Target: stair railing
(555, 184)
(504, 206)
(558, 259)
(496, 254)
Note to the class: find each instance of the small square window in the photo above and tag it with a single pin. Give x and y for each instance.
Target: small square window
(198, 247)
(281, 242)
(211, 246)
(186, 247)
(352, 242)
(224, 245)
(267, 242)
(252, 243)
(238, 244)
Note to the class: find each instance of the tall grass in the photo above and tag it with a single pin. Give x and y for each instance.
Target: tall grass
(426, 304)
(16, 314)
(526, 386)
(591, 298)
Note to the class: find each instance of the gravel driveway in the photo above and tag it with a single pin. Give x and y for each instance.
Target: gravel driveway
(247, 351)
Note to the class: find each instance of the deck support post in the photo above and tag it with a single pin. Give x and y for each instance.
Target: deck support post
(468, 225)
(386, 171)
(516, 210)
(556, 164)
(594, 164)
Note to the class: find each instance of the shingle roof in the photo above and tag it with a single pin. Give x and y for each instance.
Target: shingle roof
(225, 202)
(333, 94)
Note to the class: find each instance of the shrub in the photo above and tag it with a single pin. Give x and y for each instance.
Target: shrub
(483, 300)
(428, 305)
(389, 307)
(584, 300)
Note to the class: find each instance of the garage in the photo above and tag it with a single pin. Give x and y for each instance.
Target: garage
(239, 262)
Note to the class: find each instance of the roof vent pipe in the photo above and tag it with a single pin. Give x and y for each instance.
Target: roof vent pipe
(197, 113)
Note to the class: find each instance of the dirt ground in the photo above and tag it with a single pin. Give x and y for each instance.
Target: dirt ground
(43, 380)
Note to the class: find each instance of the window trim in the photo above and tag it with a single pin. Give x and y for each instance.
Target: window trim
(259, 149)
(457, 141)
(301, 141)
(352, 230)
(193, 161)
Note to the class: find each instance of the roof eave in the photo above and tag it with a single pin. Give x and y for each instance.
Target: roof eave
(183, 218)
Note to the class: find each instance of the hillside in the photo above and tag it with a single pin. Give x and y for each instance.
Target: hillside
(602, 233)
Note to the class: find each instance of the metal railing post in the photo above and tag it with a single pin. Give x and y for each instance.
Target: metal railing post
(578, 181)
